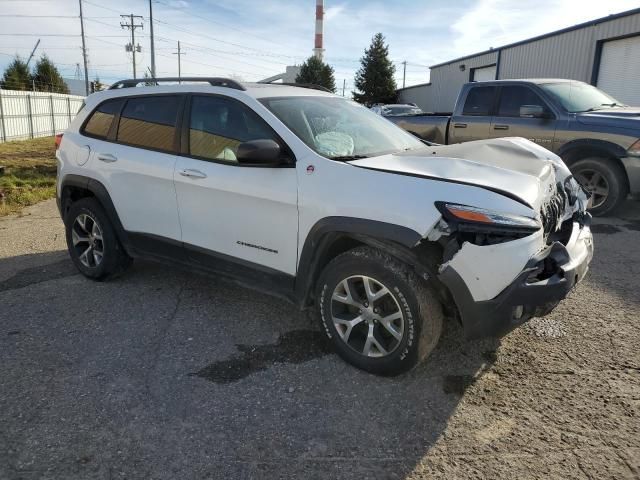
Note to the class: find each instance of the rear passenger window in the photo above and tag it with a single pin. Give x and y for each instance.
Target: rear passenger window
(149, 122)
(102, 117)
(479, 101)
(218, 125)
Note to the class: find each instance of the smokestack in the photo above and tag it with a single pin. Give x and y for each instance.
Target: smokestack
(318, 50)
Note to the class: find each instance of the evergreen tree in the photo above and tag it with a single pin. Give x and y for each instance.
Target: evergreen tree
(47, 78)
(316, 72)
(374, 80)
(16, 76)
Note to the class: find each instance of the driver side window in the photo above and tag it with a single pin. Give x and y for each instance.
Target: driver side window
(218, 125)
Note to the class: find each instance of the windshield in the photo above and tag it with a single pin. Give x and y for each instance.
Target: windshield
(340, 129)
(580, 97)
(401, 110)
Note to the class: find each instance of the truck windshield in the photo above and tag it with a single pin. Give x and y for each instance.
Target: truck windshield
(580, 97)
(340, 129)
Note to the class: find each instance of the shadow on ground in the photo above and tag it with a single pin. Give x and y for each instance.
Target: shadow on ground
(166, 374)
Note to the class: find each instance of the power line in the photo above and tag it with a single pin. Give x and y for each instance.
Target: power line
(16, 15)
(201, 17)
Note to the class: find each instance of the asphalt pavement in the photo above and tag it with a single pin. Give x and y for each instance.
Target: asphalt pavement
(166, 374)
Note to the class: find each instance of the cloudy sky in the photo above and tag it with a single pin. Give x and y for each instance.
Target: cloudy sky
(254, 39)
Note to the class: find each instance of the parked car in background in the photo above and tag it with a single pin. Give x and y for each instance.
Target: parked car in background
(597, 136)
(396, 109)
(312, 197)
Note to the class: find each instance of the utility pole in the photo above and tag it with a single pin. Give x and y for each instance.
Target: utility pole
(84, 52)
(404, 72)
(179, 53)
(344, 83)
(153, 48)
(132, 47)
(33, 51)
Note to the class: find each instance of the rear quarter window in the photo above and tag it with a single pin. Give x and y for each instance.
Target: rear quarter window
(101, 119)
(479, 101)
(149, 122)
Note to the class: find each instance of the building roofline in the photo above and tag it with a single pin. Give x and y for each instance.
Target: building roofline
(414, 86)
(590, 23)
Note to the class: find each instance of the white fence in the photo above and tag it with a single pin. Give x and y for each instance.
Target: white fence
(35, 114)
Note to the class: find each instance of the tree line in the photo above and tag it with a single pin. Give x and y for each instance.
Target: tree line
(374, 80)
(44, 77)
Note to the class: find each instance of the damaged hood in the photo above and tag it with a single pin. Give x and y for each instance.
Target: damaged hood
(515, 167)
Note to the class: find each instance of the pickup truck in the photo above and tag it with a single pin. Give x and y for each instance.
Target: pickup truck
(595, 135)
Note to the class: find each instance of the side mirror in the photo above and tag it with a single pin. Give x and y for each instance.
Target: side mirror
(532, 111)
(266, 152)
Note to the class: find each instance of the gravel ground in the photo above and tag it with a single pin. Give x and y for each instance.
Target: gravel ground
(165, 374)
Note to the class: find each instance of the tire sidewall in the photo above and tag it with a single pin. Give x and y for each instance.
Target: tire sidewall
(110, 242)
(613, 177)
(406, 354)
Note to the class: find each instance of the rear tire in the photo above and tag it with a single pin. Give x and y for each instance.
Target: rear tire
(92, 241)
(605, 180)
(380, 316)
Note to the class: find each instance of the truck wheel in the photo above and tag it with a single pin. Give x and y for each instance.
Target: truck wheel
(92, 242)
(380, 316)
(605, 180)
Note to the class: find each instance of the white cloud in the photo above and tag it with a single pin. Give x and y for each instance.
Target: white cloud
(492, 23)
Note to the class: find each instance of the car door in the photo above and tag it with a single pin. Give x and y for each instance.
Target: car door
(136, 164)
(474, 122)
(510, 121)
(231, 212)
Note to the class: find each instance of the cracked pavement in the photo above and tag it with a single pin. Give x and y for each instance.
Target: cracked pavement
(166, 374)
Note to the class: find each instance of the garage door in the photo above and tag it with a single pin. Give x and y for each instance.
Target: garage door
(619, 73)
(484, 74)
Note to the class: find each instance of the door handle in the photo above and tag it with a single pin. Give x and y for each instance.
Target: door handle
(193, 173)
(106, 157)
(459, 125)
(501, 127)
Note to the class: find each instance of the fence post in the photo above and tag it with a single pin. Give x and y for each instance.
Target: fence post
(69, 110)
(53, 116)
(30, 115)
(4, 132)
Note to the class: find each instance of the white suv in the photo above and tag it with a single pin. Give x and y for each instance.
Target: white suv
(319, 200)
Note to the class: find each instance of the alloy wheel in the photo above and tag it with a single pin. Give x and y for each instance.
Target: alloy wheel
(367, 316)
(86, 236)
(594, 183)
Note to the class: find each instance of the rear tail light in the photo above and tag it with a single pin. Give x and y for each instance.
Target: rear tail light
(58, 140)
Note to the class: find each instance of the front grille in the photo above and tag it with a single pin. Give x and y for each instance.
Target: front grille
(552, 211)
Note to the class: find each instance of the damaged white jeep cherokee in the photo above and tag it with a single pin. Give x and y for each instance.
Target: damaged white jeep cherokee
(315, 198)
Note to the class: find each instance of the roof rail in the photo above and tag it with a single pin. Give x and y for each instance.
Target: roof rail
(312, 86)
(213, 81)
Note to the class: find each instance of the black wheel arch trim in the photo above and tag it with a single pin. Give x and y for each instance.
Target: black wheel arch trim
(601, 147)
(99, 191)
(395, 239)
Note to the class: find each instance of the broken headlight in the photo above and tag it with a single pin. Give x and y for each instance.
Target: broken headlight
(465, 218)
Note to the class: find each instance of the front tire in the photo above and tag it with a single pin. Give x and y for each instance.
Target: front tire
(378, 314)
(605, 180)
(92, 241)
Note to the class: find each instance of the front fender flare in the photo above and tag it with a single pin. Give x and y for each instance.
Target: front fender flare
(328, 230)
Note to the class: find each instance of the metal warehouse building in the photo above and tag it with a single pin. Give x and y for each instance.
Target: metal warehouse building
(604, 52)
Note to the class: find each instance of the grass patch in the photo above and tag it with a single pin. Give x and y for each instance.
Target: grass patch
(30, 173)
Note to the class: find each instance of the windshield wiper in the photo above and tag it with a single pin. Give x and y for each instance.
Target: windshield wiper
(346, 158)
(594, 109)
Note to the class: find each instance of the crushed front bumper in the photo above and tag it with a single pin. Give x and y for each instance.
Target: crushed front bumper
(546, 280)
